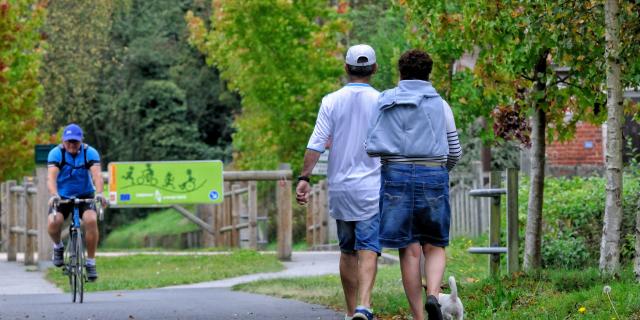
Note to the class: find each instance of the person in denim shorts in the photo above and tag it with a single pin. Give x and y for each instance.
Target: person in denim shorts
(353, 177)
(416, 138)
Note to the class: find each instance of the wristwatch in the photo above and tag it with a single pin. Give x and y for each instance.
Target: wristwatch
(305, 178)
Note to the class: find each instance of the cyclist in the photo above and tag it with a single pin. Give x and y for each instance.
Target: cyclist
(74, 172)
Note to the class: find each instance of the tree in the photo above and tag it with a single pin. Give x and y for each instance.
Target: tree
(148, 44)
(77, 40)
(610, 245)
(520, 43)
(20, 60)
(281, 57)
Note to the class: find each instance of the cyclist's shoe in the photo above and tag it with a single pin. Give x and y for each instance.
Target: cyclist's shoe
(58, 257)
(362, 313)
(433, 308)
(92, 273)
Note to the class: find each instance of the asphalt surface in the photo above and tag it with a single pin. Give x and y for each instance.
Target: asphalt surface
(199, 303)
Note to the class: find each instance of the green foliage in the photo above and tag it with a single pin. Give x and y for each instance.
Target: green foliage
(572, 219)
(281, 57)
(20, 60)
(73, 62)
(564, 251)
(159, 94)
(381, 24)
(153, 271)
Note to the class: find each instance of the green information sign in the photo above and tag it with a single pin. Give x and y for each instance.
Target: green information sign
(165, 182)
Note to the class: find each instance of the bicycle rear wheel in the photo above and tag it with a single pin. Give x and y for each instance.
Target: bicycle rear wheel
(81, 277)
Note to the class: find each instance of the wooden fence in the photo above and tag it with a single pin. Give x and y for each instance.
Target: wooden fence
(234, 223)
(318, 216)
(469, 215)
(19, 219)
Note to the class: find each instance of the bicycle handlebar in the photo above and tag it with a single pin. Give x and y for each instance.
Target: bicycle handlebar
(99, 207)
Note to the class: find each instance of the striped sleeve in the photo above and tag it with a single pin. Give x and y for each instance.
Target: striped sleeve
(455, 150)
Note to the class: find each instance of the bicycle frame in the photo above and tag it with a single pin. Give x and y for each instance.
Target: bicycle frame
(75, 253)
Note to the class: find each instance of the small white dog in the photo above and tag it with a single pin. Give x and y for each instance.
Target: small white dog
(450, 304)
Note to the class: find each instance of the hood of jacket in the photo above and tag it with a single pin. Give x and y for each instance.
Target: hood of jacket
(407, 92)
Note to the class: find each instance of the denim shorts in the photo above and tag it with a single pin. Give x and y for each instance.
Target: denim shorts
(414, 205)
(359, 235)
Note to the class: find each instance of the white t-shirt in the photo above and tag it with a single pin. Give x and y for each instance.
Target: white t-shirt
(354, 177)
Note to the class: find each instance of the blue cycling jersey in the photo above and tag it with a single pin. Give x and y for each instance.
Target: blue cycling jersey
(74, 179)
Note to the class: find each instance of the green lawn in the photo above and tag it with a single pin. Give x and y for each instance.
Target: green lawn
(554, 294)
(152, 271)
(164, 222)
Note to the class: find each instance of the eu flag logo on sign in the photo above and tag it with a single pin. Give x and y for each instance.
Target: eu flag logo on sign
(125, 197)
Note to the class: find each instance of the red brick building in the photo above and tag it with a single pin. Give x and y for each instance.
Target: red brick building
(582, 155)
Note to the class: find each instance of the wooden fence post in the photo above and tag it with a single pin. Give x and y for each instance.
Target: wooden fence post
(45, 249)
(235, 216)
(253, 214)
(4, 203)
(322, 212)
(513, 264)
(30, 211)
(310, 221)
(12, 245)
(285, 213)
(494, 221)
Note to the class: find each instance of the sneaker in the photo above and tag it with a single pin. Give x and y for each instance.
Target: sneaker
(92, 273)
(58, 257)
(362, 313)
(433, 308)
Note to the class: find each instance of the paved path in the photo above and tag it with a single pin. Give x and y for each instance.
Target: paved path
(205, 303)
(27, 295)
(16, 279)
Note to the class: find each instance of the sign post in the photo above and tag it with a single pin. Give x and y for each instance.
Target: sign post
(165, 183)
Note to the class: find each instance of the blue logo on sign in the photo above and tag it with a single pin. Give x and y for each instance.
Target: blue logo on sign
(125, 197)
(213, 195)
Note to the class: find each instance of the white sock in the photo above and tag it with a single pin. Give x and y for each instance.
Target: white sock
(346, 317)
(58, 245)
(91, 262)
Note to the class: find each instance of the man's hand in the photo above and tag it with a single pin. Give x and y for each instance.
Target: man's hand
(54, 200)
(102, 199)
(302, 192)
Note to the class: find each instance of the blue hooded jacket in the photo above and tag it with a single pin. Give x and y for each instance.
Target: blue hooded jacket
(409, 121)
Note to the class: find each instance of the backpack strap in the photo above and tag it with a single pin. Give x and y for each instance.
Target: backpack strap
(87, 165)
(63, 158)
(63, 161)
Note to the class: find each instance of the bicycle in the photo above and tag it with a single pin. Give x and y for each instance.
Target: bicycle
(74, 255)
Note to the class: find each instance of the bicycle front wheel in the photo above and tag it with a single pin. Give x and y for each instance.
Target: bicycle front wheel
(72, 264)
(81, 277)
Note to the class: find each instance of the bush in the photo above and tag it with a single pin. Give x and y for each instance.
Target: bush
(573, 212)
(564, 251)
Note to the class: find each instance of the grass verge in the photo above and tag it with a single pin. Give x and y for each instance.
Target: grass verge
(151, 271)
(164, 222)
(552, 294)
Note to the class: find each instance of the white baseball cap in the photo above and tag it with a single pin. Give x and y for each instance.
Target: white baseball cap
(360, 51)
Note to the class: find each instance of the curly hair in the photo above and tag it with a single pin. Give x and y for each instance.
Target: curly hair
(415, 64)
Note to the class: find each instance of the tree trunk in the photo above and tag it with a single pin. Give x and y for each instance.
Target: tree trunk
(610, 245)
(533, 237)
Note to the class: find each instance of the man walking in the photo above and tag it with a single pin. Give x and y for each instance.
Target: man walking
(415, 134)
(354, 178)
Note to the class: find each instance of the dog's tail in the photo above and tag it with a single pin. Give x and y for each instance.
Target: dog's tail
(454, 288)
